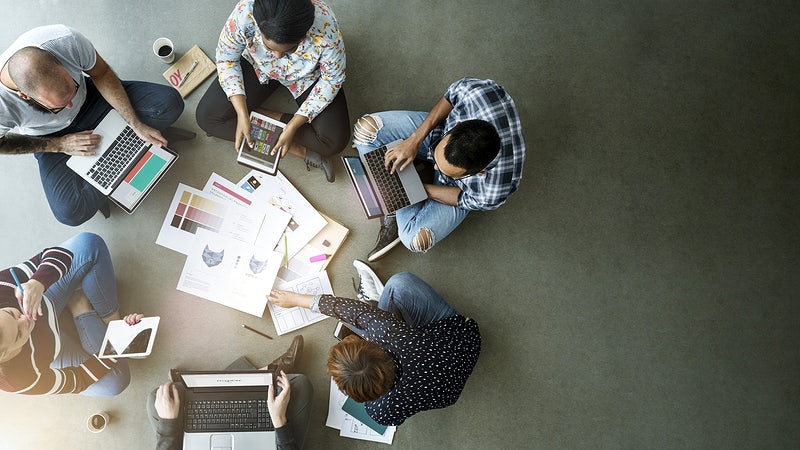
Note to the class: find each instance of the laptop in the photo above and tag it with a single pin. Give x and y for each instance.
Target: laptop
(227, 410)
(125, 168)
(381, 192)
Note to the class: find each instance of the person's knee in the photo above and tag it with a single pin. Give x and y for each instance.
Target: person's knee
(400, 279)
(120, 379)
(204, 116)
(366, 129)
(72, 220)
(422, 241)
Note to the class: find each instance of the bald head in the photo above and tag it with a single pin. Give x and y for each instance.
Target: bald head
(34, 70)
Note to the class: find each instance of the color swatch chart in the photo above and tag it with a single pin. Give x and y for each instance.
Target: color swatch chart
(194, 211)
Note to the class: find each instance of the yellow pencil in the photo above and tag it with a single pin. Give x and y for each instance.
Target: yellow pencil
(285, 252)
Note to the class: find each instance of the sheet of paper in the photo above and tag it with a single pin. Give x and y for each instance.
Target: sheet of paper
(279, 192)
(290, 319)
(349, 426)
(227, 191)
(352, 428)
(275, 220)
(193, 210)
(229, 272)
(336, 399)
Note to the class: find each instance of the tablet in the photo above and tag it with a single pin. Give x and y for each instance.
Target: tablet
(129, 341)
(264, 132)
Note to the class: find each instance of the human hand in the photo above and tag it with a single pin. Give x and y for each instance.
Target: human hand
(277, 405)
(30, 299)
(133, 319)
(288, 299)
(82, 143)
(242, 133)
(149, 134)
(168, 401)
(401, 155)
(284, 142)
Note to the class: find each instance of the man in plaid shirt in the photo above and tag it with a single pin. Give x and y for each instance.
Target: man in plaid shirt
(472, 136)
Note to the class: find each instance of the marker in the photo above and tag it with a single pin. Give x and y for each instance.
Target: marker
(188, 72)
(255, 331)
(321, 257)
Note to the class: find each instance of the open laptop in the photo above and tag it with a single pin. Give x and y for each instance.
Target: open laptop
(125, 168)
(382, 192)
(227, 410)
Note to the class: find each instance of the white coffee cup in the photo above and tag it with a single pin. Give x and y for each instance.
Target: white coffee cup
(164, 49)
(97, 422)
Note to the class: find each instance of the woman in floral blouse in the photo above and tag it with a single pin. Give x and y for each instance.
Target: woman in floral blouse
(268, 45)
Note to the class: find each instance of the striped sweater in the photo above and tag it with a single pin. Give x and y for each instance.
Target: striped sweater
(29, 371)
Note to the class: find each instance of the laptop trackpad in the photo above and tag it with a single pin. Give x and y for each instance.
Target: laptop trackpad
(221, 442)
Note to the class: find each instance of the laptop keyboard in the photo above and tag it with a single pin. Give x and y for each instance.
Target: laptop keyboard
(108, 167)
(228, 415)
(388, 184)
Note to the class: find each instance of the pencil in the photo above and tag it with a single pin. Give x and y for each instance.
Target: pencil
(256, 331)
(285, 252)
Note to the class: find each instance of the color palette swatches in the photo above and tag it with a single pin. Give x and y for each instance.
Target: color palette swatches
(194, 211)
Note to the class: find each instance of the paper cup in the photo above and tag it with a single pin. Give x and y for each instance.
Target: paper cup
(97, 422)
(164, 49)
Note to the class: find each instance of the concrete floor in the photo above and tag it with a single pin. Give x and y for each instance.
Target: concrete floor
(638, 291)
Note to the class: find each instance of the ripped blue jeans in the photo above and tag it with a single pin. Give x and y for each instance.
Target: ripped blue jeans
(421, 225)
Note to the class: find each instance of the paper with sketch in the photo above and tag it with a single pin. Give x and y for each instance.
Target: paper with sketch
(348, 425)
(275, 220)
(229, 272)
(279, 192)
(290, 319)
(193, 210)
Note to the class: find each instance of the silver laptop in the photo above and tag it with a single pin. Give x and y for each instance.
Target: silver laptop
(227, 410)
(379, 191)
(125, 168)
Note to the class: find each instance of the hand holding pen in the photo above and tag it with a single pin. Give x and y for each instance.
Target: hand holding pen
(29, 296)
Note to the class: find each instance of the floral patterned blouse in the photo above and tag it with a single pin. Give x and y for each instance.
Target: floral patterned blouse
(319, 58)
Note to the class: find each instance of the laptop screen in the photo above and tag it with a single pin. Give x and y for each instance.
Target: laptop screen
(226, 379)
(363, 188)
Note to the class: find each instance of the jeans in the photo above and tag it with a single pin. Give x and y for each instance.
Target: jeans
(438, 218)
(92, 271)
(327, 134)
(413, 300)
(298, 413)
(73, 200)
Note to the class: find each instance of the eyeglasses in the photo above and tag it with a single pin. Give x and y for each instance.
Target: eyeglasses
(54, 110)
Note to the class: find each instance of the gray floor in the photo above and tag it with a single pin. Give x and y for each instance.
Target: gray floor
(636, 292)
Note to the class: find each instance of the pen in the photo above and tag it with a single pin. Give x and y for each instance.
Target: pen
(16, 280)
(255, 331)
(285, 252)
(188, 72)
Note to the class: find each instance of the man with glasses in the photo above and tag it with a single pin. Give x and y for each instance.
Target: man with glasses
(472, 136)
(54, 90)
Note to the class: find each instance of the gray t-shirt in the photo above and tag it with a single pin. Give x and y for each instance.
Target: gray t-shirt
(77, 55)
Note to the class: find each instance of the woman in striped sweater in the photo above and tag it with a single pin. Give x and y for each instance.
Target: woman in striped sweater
(35, 357)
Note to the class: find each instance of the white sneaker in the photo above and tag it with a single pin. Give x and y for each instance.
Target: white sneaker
(369, 287)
